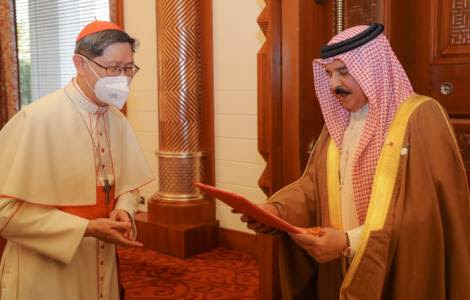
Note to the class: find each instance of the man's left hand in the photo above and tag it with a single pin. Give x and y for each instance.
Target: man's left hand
(121, 216)
(323, 248)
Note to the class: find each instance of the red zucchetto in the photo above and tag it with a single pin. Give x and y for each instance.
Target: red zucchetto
(97, 26)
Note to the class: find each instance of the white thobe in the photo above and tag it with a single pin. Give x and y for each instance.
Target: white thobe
(350, 142)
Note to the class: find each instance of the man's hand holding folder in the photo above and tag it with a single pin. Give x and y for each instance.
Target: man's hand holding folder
(254, 224)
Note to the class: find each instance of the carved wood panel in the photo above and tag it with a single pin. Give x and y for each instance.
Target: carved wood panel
(460, 21)
(269, 97)
(360, 12)
(451, 19)
(450, 65)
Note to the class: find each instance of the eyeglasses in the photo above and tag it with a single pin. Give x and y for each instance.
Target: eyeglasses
(116, 70)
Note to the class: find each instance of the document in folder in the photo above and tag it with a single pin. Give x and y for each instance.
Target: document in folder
(246, 207)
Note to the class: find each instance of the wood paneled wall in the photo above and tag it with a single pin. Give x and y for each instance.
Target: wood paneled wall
(289, 117)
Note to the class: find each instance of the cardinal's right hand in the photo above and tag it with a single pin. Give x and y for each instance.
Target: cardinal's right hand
(110, 231)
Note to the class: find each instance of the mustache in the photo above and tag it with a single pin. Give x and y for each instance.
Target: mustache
(341, 91)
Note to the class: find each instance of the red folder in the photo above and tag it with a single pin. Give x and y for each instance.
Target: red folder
(246, 207)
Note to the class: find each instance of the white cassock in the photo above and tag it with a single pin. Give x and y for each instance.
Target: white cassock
(53, 155)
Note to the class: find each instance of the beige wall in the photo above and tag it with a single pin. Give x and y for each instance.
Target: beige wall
(237, 39)
(236, 43)
(139, 22)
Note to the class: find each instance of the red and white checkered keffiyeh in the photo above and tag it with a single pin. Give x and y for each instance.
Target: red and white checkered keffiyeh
(385, 84)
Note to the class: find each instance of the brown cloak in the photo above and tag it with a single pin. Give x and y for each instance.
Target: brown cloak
(422, 251)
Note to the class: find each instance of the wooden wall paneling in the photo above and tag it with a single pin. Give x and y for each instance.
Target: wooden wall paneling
(450, 63)
(117, 12)
(450, 66)
(409, 37)
(269, 97)
(306, 26)
(384, 16)
(431, 39)
(289, 117)
(316, 29)
(290, 90)
(360, 12)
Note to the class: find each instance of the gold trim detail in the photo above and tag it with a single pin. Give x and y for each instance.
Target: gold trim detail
(180, 154)
(339, 16)
(179, 197)
(332, 179)
(384, 180)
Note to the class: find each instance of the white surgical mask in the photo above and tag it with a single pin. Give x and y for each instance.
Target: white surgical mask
(112, 90)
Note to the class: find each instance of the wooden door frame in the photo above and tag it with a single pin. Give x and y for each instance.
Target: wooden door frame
(289, 117)
(287, 122)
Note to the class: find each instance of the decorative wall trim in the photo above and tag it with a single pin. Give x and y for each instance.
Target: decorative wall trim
(339, 16)
(361, 12)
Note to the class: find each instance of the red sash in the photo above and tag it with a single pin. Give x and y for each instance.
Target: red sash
(96, 211)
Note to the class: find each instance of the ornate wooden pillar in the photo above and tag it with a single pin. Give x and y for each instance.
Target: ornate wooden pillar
(339, 16)
(181, 220)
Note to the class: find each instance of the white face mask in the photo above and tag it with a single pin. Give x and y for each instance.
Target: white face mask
(112, 90)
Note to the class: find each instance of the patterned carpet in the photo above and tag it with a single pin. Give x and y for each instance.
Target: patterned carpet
(216, 274)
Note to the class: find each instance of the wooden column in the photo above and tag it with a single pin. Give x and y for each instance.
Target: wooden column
(181, 220)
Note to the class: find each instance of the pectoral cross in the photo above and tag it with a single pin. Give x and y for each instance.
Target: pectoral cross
(106, 189)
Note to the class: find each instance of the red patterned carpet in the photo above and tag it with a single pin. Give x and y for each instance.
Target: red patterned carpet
(217, 274)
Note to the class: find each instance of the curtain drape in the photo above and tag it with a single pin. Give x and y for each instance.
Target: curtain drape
(9, 85)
